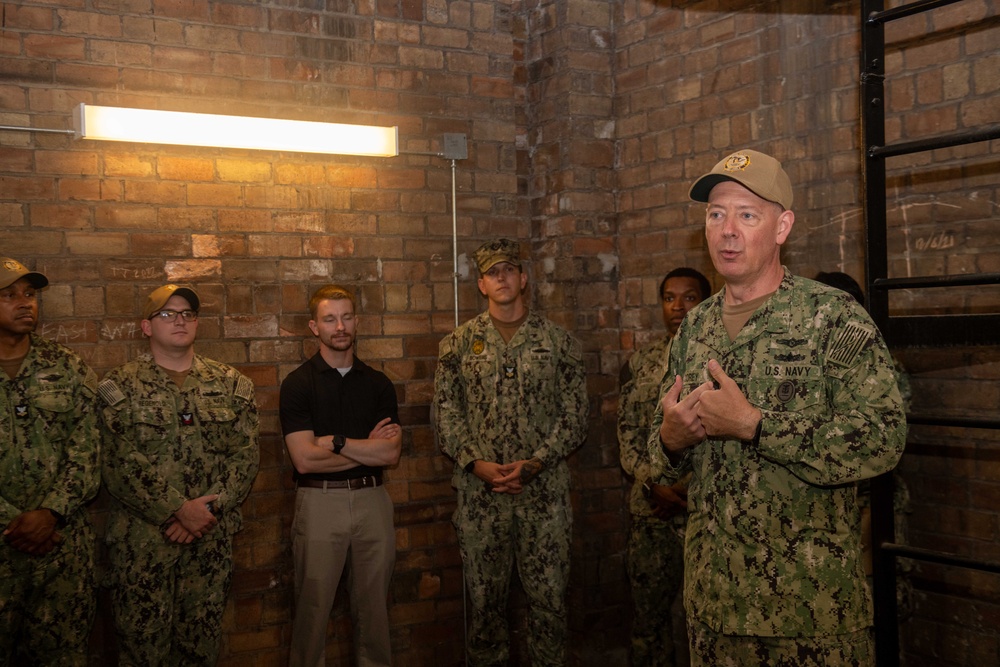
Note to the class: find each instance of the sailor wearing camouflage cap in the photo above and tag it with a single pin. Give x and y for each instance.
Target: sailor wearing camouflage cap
(511, 404)
(492, 253)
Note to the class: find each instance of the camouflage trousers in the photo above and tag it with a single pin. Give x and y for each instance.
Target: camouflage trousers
(47, 603)
(168, 600)
(656, 573)
(711, 649)
(497, 532)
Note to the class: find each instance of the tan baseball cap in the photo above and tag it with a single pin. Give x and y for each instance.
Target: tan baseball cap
(757, 172)
(159, 297)
(492, 253)
(12, 270)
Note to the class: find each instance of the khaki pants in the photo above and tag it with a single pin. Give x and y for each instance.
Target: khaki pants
(334, 528)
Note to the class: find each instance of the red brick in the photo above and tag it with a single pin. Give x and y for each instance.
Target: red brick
(53, 46)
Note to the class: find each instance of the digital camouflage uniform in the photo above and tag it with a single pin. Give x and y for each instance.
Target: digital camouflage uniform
(165, 445)
(505, 402)
(655, 546)
(48, 459)
(772, 541)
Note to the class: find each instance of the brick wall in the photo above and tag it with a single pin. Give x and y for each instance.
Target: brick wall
(586, 122)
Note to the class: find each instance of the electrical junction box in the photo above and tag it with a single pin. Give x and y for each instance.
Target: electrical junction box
(455, 146)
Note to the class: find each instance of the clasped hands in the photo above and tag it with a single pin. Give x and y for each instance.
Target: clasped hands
(192, 521)
(33, 532)
(507, 478)
(716, 409)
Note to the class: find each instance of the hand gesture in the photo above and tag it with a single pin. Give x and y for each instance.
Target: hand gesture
(682, 425)
(725, 412)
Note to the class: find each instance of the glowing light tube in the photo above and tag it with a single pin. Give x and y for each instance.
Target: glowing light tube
(199, 129)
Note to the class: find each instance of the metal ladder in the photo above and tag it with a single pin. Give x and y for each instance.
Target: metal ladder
(906, 330)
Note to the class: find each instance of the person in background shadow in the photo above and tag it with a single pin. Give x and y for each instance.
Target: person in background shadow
(901, 492)
(658, 510)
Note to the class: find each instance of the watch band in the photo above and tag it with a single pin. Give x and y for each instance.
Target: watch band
(338, 443)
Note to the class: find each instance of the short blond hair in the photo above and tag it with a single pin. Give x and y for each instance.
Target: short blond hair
(327, 292)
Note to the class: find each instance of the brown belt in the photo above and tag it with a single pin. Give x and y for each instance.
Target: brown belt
(367, 482)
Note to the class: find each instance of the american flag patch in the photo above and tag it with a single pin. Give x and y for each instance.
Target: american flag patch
(110, 392)
(850, 342)
(244, 388)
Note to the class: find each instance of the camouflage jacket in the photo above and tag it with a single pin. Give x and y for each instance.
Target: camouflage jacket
(636, 405)
(504, 402)
(773, 528)
(165, 445)
(49, 442)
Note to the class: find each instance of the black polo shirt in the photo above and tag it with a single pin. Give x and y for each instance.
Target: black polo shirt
(315, 397)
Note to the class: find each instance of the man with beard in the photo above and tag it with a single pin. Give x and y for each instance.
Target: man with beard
(49, 469)
(180, 432)
(341, 425)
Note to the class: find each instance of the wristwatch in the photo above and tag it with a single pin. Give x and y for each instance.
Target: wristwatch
(338, 443)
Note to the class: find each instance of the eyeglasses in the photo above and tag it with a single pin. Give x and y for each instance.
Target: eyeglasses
(171, 315)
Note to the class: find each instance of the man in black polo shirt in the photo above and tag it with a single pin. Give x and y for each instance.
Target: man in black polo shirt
(341, 426)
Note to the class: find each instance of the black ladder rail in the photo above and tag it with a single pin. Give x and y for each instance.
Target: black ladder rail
(929, 330)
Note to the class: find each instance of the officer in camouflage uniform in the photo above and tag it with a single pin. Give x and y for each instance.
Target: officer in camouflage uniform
(658, 509)
(180, 433)
(48, 469)
(784, 397)
(511, 405)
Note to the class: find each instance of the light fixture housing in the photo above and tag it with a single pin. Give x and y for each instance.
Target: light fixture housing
(213, 130)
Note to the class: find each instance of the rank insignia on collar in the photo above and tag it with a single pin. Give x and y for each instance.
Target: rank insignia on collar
(509, 372)
(478, 346)
(187, 419)
(21, 410)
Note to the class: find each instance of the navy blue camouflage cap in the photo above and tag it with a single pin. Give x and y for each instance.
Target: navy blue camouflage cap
(494, 252)
(159, 297)
(12, 270)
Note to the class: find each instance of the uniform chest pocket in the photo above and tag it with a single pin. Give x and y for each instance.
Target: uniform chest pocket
(53, 401)
(218, 426)
(480, 377)
(52, 410)
(646, 389)
(154, 430)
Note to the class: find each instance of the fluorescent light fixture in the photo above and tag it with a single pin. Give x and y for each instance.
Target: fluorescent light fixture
(201, 129)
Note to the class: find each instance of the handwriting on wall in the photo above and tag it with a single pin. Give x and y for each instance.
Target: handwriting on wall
(120, 330)
(63, 333)
(939, 241)
(131, 274)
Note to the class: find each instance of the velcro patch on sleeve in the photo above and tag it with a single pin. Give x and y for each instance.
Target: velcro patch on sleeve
(850, 342)
(244, 388)
(110, 392)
